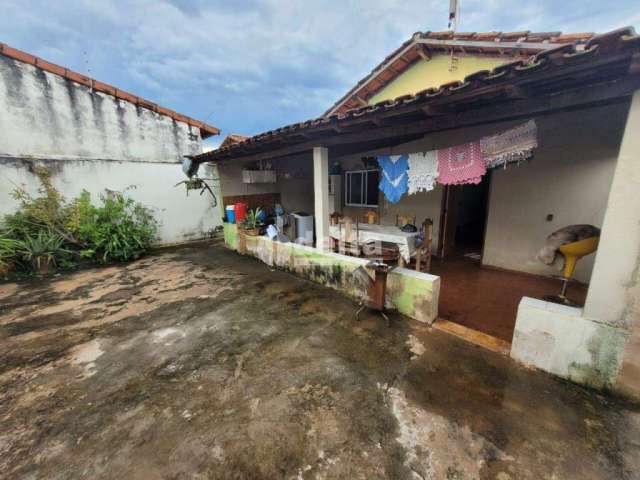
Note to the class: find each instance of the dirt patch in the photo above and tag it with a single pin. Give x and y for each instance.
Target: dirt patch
(199, 363)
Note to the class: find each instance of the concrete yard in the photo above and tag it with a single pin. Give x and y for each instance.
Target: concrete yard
(197, 363)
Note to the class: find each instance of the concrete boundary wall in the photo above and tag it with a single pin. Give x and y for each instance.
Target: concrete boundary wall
(560, 340)
(412, 293)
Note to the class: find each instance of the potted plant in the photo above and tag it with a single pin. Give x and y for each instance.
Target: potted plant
(43, 251)
(253, 221)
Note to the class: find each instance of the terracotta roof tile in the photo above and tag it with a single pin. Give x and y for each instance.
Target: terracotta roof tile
(611, 43)
(7, 51)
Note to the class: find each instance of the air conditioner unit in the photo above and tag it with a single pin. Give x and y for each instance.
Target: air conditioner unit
(258, 176)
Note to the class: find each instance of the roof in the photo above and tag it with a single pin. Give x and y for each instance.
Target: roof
(233, 138)
(205, 129)
(424, 44)
(603, 69)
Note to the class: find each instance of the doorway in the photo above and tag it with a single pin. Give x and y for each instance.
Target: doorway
(464, 219)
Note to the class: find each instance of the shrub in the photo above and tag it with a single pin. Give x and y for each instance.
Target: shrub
(9, 253)
(49, 231)
(119, 229)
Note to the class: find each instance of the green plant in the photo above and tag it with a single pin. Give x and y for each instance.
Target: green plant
(49, 231)
(252, 219)
(119, 229)
(47, 211)
(9, 252)
(44, 250)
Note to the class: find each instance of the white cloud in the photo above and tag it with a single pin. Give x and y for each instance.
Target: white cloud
(260, 64)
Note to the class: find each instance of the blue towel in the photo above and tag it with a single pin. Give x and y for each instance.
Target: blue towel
(394, 181)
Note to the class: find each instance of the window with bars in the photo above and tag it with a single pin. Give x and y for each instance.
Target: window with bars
(361, 188)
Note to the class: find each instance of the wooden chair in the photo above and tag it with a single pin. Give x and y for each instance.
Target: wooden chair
(335, 218)
(402, 220)
(424, 250)
(350, 245)
(371, 217)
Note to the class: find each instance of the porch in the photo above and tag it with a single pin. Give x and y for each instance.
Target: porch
(582, 172)
(486, 299)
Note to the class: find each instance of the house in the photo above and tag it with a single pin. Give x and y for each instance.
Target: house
(441, 90)
(94, 136)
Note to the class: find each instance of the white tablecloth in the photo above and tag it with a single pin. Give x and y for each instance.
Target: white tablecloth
(382, 233)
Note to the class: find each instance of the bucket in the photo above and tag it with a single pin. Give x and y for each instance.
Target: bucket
(240, 211)
(231, 213)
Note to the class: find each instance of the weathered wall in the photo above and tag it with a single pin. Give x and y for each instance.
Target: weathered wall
(47, 115)
(560, 340)
(181, 218)
(413, 294)
(435, 72)
(93, 141)
(569, 177)
(598, 345)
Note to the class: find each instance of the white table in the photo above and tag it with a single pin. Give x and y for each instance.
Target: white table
(382, 233)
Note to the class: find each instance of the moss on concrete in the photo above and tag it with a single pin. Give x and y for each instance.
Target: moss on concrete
(231, 235)
(606, 346)
(411, 294)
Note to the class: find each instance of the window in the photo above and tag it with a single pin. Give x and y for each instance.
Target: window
(361, 188)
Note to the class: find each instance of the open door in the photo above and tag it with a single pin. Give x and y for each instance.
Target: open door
(463, 219)
(447, 237)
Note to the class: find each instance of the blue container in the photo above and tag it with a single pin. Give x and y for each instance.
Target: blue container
(231, 213)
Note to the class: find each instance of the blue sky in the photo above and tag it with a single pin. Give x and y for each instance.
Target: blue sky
(247, 66)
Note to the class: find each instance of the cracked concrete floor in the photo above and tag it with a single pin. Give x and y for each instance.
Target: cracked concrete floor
(198, 363)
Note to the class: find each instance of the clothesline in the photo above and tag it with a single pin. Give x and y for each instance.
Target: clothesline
(461, 164)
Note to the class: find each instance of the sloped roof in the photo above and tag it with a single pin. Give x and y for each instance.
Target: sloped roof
(608, 63)
(205, 129)
(423, 44)
(232, 139)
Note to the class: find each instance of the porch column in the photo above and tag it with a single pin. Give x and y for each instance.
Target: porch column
(611, 293)
(321, 196)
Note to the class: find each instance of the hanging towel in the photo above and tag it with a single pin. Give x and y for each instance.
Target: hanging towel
(461, 164)
(393, 182)
(514, 145)
(423, 171)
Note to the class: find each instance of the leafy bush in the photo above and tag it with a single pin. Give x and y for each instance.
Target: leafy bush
(120, 229)
(49, 231)
(47, 211)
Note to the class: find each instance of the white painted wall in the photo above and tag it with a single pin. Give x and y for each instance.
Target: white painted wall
(569, 177)
(93, 141)
(181, 218)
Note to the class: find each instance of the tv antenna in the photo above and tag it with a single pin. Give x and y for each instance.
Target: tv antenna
(454, 15)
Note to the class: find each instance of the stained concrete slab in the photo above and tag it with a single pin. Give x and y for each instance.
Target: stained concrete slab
(199, 363)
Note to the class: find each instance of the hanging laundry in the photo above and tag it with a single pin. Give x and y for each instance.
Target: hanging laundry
(423, 171)
(514, 145)
(394, 176)
(461, 164)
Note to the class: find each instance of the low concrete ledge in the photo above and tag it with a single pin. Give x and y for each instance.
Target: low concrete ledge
(560, 340)
(412, 293)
